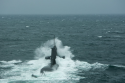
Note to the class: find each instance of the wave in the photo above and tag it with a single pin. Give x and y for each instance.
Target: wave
(11, 62)
(115, 32)
(116, 67)
(68, 68)
(5, 64)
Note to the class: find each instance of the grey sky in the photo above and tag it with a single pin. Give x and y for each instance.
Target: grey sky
(62, 6)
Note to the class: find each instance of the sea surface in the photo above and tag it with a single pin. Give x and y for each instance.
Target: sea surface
(94, 47)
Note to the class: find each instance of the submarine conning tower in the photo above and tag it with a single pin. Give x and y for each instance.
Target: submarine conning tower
(53, 53)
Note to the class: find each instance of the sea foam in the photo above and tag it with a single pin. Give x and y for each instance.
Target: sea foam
(68, 68)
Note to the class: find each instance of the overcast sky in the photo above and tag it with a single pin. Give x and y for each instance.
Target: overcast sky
(62, 6)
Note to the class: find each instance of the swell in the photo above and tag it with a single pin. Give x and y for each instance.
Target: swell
(116, 68)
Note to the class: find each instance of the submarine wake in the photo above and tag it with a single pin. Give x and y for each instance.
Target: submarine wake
(69, 69)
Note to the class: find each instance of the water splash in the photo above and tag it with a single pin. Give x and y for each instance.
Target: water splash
(68, 68)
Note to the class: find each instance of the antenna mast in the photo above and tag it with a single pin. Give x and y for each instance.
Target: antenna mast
(54, 41)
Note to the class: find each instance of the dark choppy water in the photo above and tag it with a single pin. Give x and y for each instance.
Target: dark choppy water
(97, 43)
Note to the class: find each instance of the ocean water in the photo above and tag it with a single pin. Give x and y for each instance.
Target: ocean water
(94, 47)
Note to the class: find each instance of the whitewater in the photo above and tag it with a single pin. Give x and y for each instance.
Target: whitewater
(16, 70)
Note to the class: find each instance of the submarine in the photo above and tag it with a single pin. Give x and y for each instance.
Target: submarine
(53, 65)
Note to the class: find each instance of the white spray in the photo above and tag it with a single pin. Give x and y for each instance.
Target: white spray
(68, 68)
